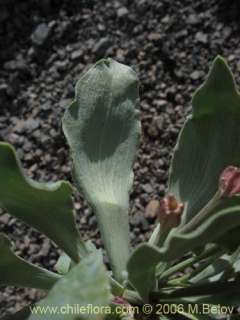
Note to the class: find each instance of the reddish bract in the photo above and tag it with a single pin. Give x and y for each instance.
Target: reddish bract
(229, 182)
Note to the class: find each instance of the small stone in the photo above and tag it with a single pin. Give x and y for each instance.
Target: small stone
(3, 89)
(141, 5)
(14, 65)
(152, 131)
(166, 19)
(46, 106)
(154, 36)
(195, 75)
(159, 122)
(227, 32)
(193, 19)
(31, 124)
(147, 188)
(122, 12)
(201, 37)
(4, 218)
(40, 34)
(238, 65)
(76, 54)
(152, 209)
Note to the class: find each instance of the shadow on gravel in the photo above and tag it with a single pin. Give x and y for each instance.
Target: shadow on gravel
(18, 20)
(229, 11)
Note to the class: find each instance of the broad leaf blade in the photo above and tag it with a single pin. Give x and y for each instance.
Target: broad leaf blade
(86, 284)
(208, 142)
(44, 206)
(141, 269)
(14, 271)
(103, 132)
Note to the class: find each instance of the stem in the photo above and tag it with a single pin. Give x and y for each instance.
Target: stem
(198, 290)
(177, 268)
(187, 263)
(209, 261)
(202, 214)
(158, 236)
(129, 295)
(154, 239)
(132, 297)
(117, 288)
(114, 227)
(179, 281)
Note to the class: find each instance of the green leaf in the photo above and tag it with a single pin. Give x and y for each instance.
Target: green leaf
(209, 141)
(44, 206)
(20, 315)
(223, 299)
(86, 284)
(213, 272)
(222, 220)
(103, 133)
(14, 271)
(219, 223)
(141, 269)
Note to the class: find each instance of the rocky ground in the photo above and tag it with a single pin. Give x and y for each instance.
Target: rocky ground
(44, 47)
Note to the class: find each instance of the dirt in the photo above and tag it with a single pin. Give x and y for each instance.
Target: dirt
(44, 47)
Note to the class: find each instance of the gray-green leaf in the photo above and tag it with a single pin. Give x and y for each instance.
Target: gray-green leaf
(86, 284)
(208, 142)
(219, 223)
(103, 132)
(45, 206)
(141, 269)
(14, 271)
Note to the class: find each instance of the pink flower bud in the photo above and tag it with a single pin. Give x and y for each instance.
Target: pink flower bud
(170, 212)
(229, 182)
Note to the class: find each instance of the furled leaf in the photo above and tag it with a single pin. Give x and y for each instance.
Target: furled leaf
(20, 315)
(103, 132)
(141, 269)
(209, 141)
(85, 285)
(14, 271)
(46, 207)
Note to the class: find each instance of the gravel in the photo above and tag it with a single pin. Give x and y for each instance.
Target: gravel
(46, 45)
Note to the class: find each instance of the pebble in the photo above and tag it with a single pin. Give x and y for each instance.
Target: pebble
(195, 75)
(152, 209)
(169, 46)
(122, 12)
(201, 37)
(40, 34)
